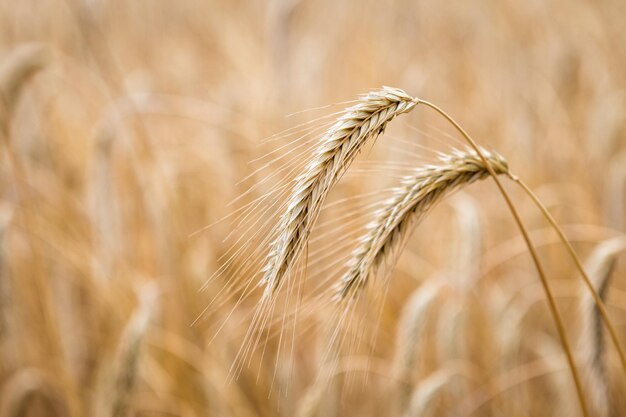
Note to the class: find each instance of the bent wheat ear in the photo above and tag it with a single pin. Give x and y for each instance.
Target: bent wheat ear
(411, 329)
(423, 397)
(338, 148)
(410, 203)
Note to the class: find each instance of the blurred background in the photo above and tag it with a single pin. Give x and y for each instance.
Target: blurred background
(127, 126)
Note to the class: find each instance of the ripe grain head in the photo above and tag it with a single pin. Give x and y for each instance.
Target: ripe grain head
(419, 193)
(338, 148)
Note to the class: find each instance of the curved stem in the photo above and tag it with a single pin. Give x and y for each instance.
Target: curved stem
(599, 303)
(544, 282)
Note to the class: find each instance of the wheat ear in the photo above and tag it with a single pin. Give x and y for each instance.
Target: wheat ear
(558, 321)
(17, 68)
(338, 148)
(568, 246)
(600, 265)
(114, 398)
(411, 331)
(419, 193)
(424, 397)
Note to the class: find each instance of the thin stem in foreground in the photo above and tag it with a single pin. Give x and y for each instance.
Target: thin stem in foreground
(599, 303)
(544, 282)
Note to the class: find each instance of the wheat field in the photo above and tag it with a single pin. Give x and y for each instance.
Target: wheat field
(312, 208)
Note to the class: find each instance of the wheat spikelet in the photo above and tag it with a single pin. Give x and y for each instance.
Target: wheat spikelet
(600, 266)
(338, 148)
(418, 194)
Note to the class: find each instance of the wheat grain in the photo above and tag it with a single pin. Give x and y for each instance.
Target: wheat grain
(418, 194)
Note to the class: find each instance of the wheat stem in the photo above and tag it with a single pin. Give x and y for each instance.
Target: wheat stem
(598, 300)
(410, 203)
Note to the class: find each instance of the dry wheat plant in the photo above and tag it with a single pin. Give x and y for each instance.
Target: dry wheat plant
(214, 208)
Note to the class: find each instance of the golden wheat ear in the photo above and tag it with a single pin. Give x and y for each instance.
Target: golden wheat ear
(114, 397)
(339, 146)
(600, 266)
(419, 193)
(24, 62)
(424, 398)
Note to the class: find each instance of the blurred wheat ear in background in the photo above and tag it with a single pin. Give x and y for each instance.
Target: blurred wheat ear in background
(601, 265)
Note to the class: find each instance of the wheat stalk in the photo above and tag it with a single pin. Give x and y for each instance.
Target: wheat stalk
(409, 204)
(558, 321)
(338, 148)
(601, 308)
